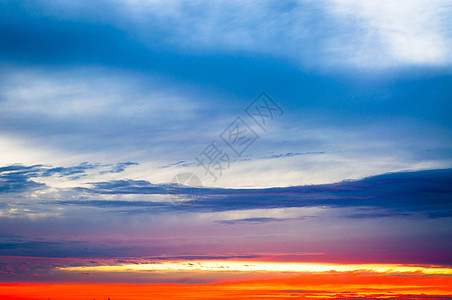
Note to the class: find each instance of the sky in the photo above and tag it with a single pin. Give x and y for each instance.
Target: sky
(180, 146)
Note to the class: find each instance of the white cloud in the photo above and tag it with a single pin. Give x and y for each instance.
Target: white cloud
(321, 34)
(90, 93)
(358, 33)
(391, 33)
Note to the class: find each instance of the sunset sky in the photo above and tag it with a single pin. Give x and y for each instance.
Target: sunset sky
(225, 149)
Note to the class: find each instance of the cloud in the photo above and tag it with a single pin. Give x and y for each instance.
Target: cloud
(98, 86)
(411, 211)
(251, 220)
(292, 154)
(420, 192)
(126, 187)
(38, 247)
(178, 164)
(103, 102)
(391, 34)
(351, 33)
(395, 194)
(120, 167)
(361, 34)
(17, 178)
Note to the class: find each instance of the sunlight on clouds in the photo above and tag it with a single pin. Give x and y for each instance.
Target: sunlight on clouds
(408, 32)
(105, 105)
(315, 169)
(27, 214)
(15, 150)
(252, 266)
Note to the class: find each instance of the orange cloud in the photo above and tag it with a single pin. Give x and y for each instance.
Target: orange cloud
(328, 285)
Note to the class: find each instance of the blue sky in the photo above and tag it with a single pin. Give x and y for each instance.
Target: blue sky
(155, 82)
(102, 103)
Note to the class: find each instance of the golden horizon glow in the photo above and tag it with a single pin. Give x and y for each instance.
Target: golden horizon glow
(247, 266)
